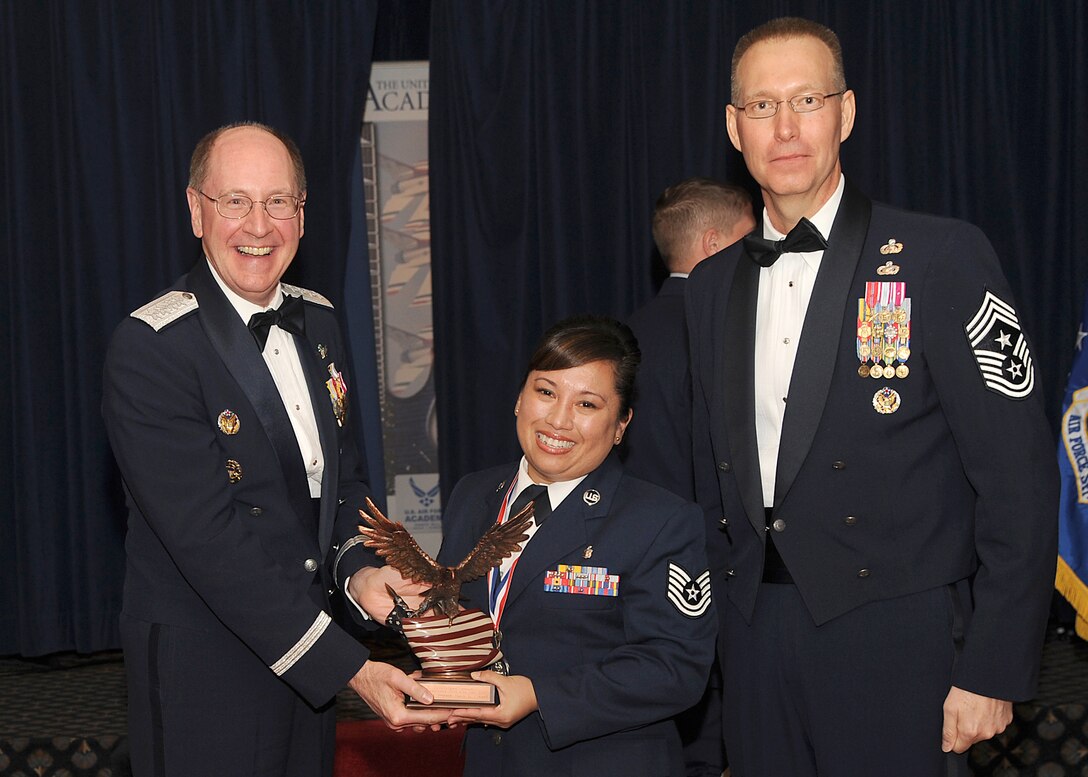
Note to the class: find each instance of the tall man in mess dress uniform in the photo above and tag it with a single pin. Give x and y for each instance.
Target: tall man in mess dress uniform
(226, 404)
(872, 454)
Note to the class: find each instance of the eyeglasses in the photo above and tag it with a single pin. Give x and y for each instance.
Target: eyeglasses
(238, 206)
(799, 103)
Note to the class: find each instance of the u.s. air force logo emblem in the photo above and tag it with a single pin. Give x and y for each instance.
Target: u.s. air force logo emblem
(1075, 437)
(1000, 348)
(690, 597)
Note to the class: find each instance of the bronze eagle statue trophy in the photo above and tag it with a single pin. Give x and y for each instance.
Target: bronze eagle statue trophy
(395, 544)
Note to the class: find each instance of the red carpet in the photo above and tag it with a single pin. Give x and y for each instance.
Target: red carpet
(367, 748)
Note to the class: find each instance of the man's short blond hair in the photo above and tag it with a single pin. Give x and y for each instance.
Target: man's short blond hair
(686, 210)
(785, 28)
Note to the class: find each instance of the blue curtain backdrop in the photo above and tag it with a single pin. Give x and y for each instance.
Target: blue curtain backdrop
(554, 126)
(100, 106)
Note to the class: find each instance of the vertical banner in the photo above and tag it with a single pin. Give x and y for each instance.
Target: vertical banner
(1072, 578)
(395, 179)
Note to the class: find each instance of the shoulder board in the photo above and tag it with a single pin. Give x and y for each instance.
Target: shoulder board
(306, 294)
(166, 309)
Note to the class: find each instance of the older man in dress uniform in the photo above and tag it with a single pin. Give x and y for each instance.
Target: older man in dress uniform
(226, 400)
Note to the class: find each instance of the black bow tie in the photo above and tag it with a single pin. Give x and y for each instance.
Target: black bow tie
(803, 237)
(289, 317)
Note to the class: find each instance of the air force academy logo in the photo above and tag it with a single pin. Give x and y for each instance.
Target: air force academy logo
(691, 597)
(1001, 349)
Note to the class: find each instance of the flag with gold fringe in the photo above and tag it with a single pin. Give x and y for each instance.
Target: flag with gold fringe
(1072, 577)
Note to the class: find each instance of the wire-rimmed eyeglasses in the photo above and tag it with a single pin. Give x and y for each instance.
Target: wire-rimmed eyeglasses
(238, 206)
(799, 103)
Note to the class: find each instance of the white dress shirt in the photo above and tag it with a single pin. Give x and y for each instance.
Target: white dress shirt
(283, 362)
(784, 292)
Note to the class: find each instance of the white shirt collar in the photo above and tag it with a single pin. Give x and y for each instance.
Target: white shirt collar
(557, 491)
(823, 220)
(242, 306)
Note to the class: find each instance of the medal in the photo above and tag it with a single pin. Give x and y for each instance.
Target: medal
(889, 372)
(886, 401)
(903, 353)
(338, 391)
(863, 371)
(229, 422)
(876, 371)
(902, 371)
(234, 471)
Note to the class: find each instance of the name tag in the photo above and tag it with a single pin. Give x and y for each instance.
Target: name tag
(578, 579)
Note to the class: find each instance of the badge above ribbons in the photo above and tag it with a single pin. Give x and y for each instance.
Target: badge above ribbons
(1000, 348)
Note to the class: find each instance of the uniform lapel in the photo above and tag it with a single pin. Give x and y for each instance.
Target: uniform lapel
(482, 518)
(820, 337)
(737, 379)
(234, 343)
(568, 528)
(326, 429)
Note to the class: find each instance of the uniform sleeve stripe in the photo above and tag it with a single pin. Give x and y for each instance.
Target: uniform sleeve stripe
(344, 549)
(312, 635)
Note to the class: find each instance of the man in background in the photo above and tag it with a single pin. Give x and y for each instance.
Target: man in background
(692, 220)
(226, 402)
(872, 454)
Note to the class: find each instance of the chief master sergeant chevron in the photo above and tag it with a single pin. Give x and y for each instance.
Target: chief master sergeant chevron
(241, 473)
(877, 472)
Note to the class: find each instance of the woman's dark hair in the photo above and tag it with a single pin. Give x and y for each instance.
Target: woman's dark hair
(582, 339)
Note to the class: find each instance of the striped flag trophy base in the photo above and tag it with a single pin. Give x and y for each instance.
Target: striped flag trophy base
(449, 650)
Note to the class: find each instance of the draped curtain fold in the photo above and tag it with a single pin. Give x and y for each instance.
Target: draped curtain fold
(102, 104)
(554, 126)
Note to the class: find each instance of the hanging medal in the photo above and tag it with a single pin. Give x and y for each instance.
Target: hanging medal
(903, 343)
(864, 350)
(874, 329)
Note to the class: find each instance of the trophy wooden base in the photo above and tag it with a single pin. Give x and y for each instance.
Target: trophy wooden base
(455, 693)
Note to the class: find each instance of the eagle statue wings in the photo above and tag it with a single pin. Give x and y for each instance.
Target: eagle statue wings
(395, 544)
